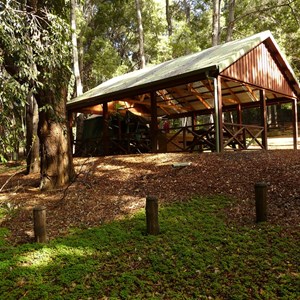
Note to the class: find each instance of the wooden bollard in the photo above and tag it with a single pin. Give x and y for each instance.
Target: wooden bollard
(261, 201)
(152, 215)
(39, 224)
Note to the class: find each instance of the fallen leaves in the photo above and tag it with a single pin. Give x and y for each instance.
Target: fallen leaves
(109, 188)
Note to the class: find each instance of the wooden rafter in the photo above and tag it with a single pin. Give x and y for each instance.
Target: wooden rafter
(142, 97)
(198, 95)
(160, 105)
(230, 100)
(209, 87)
(231, 92)
(178, 92)
(250, 91)
(163, 95)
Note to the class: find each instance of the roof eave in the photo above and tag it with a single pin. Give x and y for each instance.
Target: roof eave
(284, 65)
(211, 71)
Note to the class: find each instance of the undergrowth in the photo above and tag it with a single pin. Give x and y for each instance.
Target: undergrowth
(196, 256)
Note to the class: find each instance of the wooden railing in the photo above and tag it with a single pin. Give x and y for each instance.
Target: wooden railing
(202, 137)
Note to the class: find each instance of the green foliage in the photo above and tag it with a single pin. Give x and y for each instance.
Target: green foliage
(37, 45)
(111, 29)
(282, 18)
(196, 256)
(34, 57)
(12, 107)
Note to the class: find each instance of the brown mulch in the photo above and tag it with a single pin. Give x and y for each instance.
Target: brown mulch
(108, 188)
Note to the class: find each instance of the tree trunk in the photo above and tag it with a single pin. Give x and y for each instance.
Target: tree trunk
(230, 21)
(187, 11)
(76, 69)
(141, 34)
(54, 132)
(32, 140)
(75, 49)
(216, 22)
(169, 19)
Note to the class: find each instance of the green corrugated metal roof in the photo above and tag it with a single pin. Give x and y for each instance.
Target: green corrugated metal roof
(218, 58)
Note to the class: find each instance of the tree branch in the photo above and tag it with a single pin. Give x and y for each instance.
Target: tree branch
(262, 10)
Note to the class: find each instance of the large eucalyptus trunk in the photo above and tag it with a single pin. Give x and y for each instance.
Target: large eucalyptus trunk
(55, 145)
(32, 140)
(141, 35)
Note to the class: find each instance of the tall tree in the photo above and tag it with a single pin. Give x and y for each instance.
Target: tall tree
(38, 31)
(76, 71)
(216, 27)
(187, 10)
(142, 59)
(230, 20)
(75, 49)
(32, 140)
(169, 18)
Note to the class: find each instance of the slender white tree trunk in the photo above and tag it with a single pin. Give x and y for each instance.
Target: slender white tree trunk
(32, 140)
(230, 21)
(216, 22)
(141, 34)
(169, 19)
(75, 49)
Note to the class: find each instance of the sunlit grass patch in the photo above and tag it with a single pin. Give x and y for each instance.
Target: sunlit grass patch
(196, 256)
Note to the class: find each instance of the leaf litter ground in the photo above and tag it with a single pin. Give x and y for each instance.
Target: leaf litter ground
(109, 188)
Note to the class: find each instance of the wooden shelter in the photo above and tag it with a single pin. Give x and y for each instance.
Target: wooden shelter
(237, 75)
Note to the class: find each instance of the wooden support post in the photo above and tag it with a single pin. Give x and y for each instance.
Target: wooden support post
(295, 124)
(263, 113)
(194, 121)
(152, 215)
(105, 137)
(261, 201)
(154, 124)
(184, 138)
(39, 224)
(240, 122)
(239, 114)
(218, 114)
(70, 116)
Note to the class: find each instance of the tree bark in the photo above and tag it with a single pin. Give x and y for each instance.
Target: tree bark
(230, 21)
(78, 83)
(169, 19)
(187, 11)
(216, 22)
(75, 49)
(32, 140)
(141, 35)
(54, 133)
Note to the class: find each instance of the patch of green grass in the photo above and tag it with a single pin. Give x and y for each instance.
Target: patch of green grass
(196, 256)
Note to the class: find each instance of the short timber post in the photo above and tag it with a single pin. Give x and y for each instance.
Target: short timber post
(152, 215)
(39, 221)
(261, 201)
